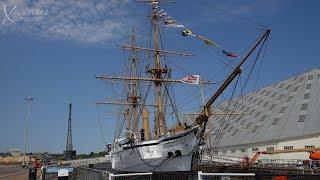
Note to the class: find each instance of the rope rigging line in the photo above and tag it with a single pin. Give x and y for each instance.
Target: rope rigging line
(171, 100)
(220, 136)
(214, 77)
(237, 16)
(231, 65)
(261, 62)
(100, 125)
(184, 103)
(247, 80)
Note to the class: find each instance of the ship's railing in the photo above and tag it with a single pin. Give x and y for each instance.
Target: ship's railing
(218, 176)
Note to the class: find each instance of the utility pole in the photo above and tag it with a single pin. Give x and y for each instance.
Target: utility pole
(29, 100)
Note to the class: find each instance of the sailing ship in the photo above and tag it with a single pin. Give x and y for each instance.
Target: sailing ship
(175, 149)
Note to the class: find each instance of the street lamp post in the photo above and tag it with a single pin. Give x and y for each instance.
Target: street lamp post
(28, 99)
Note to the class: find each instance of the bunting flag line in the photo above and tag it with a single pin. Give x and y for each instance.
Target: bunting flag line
(170, 22)
(229, 54)
(188, 32)
(192, 79)
(209, 42)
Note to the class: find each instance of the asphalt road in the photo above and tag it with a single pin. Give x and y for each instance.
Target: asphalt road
(10, 172)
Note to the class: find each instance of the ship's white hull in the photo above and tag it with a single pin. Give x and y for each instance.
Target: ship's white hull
(171, 153)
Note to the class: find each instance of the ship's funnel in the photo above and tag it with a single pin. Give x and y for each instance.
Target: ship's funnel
(145, 123)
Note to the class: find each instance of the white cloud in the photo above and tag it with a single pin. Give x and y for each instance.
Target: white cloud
(79, 20)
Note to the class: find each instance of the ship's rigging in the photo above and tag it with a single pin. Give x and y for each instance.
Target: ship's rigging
(134, 107)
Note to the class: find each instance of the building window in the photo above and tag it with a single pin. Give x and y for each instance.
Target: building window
(233, 151)
(270, 149)
(272, 106)
(289, 98)
(226, 125)
(264, 118)
(288, 86)
(275, 121)
(302, 118)
(255, 149)
(281, 85)
(267, 93)
(236, 103)
(260, 102)
(309, 146)
(306, 96)
(295, 88)
(301, 79)
(255, 129)
(242, 122)
(283, 109)
(295, 78)
(257, 114)
(304, 106)
(288, 147)
(234, 132)
(308, 86)
(281, 95)
(238, 119)
(224, 151)
(243, 150)
(254, 100)
(248, 125)
(265, 104)
(247, 109)
(230, 129)
(274, 94)
(310, 77)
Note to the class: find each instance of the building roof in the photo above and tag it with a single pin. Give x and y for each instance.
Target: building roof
(287, 109)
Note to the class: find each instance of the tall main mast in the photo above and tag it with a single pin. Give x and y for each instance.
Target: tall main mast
(157, 71)
(156, 76)
(133, 95)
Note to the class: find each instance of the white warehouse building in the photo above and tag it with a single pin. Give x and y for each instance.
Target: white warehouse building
(285, 115)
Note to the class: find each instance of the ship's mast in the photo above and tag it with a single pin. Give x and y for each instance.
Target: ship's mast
(204, 115)
(157, 71)
(133, 95)
(157, 77)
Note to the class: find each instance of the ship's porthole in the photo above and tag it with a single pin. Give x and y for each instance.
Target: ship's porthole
(178, 153)
(170, 154)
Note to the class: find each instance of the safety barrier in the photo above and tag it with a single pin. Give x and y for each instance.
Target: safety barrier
(92, 174)
(225, 176)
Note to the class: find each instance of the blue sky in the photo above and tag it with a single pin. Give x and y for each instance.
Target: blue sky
(57, 58)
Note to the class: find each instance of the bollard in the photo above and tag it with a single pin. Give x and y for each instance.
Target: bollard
(32, 173)
(63, 174)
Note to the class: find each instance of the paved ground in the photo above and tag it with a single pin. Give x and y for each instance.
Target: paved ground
(12, 172)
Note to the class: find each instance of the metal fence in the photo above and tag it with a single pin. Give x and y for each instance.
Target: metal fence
(89, 174)
(225, 176)
(92, 174)
(80, 174)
